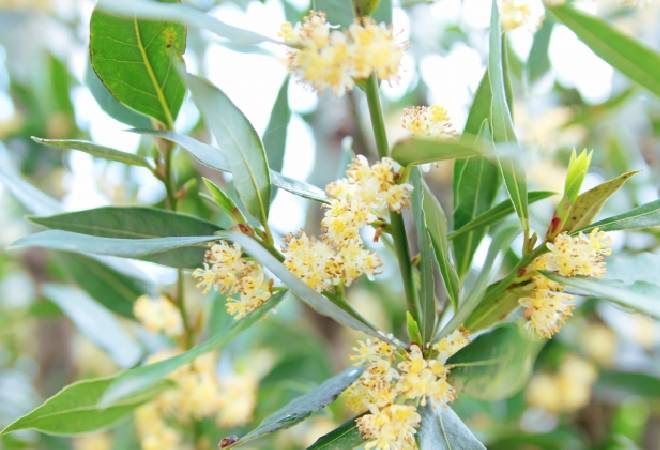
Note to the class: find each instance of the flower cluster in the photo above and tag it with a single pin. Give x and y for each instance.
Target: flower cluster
(340, 257)
(547, 306)
(226, 270)
(427, 121)
(328, 58)
(516, 14)
(390, 391)
(158, 315)
(565, 391)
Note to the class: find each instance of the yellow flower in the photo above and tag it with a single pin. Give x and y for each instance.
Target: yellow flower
(428, 121)
(516, 14)
(158, 315)
(422, 379)
(310, 260)
(368, 351)
(450, 344)
(391, 428)
(546, 310)
(374, 50)
(238, 398)
(153, 432)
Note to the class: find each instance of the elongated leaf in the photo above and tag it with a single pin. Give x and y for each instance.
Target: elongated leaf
(640, 296)
(344, 437)
(425, 150)
(111, 105)
(538, 62)
(136, 223)
(96, 323)
(95, 150)
(275, 134)
(156, 250)
(134, 59)
(186, 14)
(239, 143)
(436, 225)
(313, 299)
(75, 409)
(624, 384)
(112, 289)
(338, 12)
(633, 267)
(140, 379)
(496, 213)
(442, 429)
(427, 300)
(501, 121)
(231, 210)
(475, 184)
(496, 364)
(301, 407)
(633, 59)
(645, 216)
(214, 158)
(589, 203)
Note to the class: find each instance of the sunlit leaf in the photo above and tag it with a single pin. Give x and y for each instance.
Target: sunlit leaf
(645, 216)
(95, 150)
(426, 150)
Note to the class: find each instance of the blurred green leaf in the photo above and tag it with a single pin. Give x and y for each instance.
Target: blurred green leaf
(644, 216)
(344, 437)
(538, 62)
(497, 364)
(240, 144)
(426, 150)
(96, 323)
(588, 204)
(75, 409)
(134, 59)
(276, 131)
(95, 150)
(136, 223)
(623, 384)
(226, 204)
(633, 59)
(442, 429)
(338, 12)
(299, 408)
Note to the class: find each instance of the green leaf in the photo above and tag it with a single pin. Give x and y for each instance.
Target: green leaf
(96, 323)
(344, 437)
(435, 223)
(624, 384)
(111, 105)
(501, 121)
(95, 150)
(338, 12)
(442, 429)
(275, 134)
(633, 59)
(139, 379)
(226, 204)
(301, 407)
(589, 203)
(426, 298)
(156, 250)
(497, 364)
(112, 289)
(633, 267)
(214, 158)
(640, 296)
(135, 59)
(426, 150)
(239, 143)
(313, 299)
(496, 213)
(383, 13)
(645, 216)
(75, 409)
(136, 223)
(186, 14)
(538, 62)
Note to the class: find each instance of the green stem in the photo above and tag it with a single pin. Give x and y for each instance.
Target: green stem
(181, 305)
(398, 228)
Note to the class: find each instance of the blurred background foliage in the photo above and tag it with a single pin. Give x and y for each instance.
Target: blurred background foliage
(595, 386)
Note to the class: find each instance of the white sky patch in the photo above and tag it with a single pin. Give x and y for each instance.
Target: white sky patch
(300, 150)
(287, 213)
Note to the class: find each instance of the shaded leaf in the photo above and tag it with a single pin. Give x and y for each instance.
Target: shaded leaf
(95, 150)
(497, 364)
(96, 323)
(344, 437)
(442, 429)
(140, 379)
(623, 384)
(275, 134)
(417, 150)
(633, 59)
(589, 203)
(301, 407)
(538, 62)
(645, 216)
(134, 59)
(338, 12)
(231, 211)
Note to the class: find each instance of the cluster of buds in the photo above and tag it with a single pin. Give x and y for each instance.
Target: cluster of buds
(242, 279)
(393, 383)
(329, 58)
(340, 256)
(428, 121)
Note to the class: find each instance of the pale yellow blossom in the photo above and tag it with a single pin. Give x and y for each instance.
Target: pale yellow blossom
(158, 315)
(428, 121)
(391, 428)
